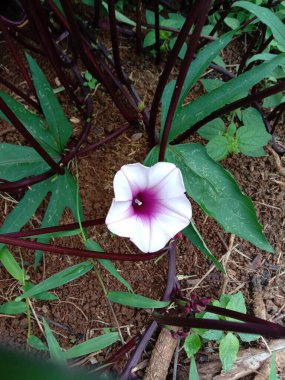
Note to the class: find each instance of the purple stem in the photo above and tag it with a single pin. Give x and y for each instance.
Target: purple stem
(199, 12)
(114, 40)
(265, 328)
(165, 75)
(76, 252)
(139, 26)
(97, 7)
(157, 31)
(48, 230)
(17, 57)
(38, 18)
(40, 150)
(171, 281)
(20, 93)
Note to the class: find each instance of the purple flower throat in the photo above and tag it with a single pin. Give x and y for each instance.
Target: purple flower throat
(145, 203)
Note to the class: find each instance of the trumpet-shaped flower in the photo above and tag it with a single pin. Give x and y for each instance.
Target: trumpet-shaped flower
(150, 206)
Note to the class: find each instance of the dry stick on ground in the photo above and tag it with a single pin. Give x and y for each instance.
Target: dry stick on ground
(278, 163)
(161, 356)
(225, 261)
(249, 361)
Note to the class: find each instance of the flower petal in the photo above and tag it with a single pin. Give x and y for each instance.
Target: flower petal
(142, 234)
(166, 180)
(121, 219)
(178, 206)
(137, 176)
(122, 187)
(149, 236)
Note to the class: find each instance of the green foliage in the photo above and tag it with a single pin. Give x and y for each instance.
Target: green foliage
(188, 115)
(228, 350)
(227, 341)
(35, 342)
(167, 40)
(107, 264)
(54, 348)
(11, 265)
(92, 345)
(58, 279)
(193, 372)
(267, 17)
(136, 300)
(196, 239)
(249, 139)
(192, 344)
(90, 81)
(13, 307)
(215, 190)
(52, 132)
(273, 370)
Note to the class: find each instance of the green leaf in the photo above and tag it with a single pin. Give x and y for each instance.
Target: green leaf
(251, 117)
(63, 195)
(18, 161)
(212, 129)
(236, 303)
(58, 279)
(192, 345)
(273, 100)
(215, 190)
(57, 123)
(25, 209)
(251, 140)
(149, 39)
(211, 334)
(231, 22)
(45, 296)
(11, 265)
(32, 122)
(231, 130)
(193, 372)
(55, 351)
(217, 148)
(119, 16)
(196, 69)
(13, 307)
(92, 345)
(107, 264)
(35, 342)
(267, 17)
(187, 116)
(248, 337)
(152, 157)
(273, 369)
(211, 84)
(135, 300)
(202, 61)
(228, 351)
(196, 239)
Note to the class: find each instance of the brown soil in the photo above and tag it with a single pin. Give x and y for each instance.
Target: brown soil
(82, 311)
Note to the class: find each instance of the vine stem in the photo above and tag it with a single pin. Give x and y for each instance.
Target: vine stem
(164, 77)
(199, 13)
(170, 285)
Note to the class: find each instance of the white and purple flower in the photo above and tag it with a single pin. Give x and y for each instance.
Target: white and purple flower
(150, 205)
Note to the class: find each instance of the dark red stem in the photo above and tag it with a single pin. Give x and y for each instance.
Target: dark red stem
(199, 12)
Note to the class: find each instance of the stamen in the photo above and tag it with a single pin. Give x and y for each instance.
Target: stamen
(137, 202)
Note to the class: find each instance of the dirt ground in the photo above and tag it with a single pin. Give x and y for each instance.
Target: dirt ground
(82, 311)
